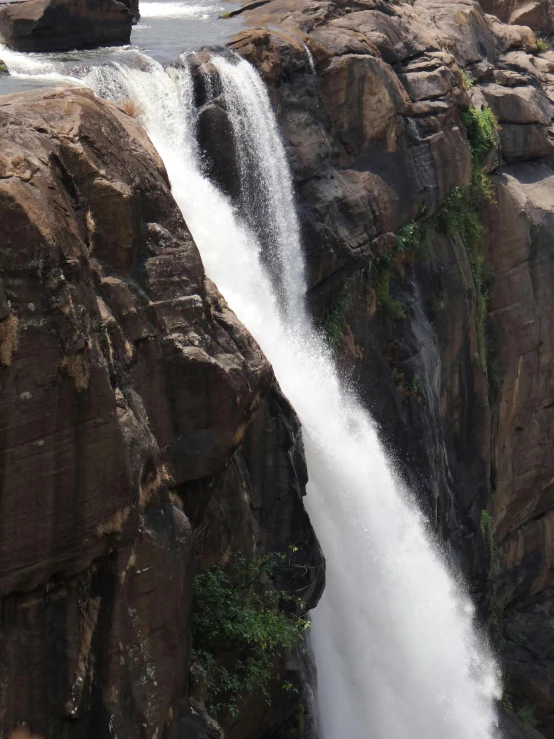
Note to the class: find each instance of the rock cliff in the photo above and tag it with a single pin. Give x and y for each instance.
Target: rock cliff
(133, 410)
(142, 434)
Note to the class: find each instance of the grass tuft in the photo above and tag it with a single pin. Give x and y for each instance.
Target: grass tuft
(467, 81)
(77, 367)
(131, 107)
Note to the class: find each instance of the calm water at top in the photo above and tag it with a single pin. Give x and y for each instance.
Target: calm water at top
(167, 28)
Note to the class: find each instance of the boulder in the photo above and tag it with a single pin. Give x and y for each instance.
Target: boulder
(60, 25)
(525, 116)
(538, 14)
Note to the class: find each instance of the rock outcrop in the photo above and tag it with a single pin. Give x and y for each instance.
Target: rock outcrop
(369, 96)
(59, 25)
(129, 395)
(134, 9)
(538, 14)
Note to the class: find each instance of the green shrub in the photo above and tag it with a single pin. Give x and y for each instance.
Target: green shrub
(542, 44)
(507, 704)
(412, 385)
(481, 127)
(240, 614)
(407, 385)
(407, 237)
(467, 81)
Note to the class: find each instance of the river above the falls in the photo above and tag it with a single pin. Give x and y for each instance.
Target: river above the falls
(167, 28)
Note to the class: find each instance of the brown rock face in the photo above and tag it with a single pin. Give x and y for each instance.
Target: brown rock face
(133, 6)
(126, 389)
(538, 14)
(520, 231)
(57, 25)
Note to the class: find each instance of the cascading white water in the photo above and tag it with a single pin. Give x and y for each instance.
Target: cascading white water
(396, 651)
(253, 122)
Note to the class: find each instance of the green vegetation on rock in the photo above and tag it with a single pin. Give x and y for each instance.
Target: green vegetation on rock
(481, 126)
(409, 386)
(467, 81)
(542, 44)
(335, 318)
(458, 218)
(488, 536)
(239, 613)
(525, 714)
(381, 274)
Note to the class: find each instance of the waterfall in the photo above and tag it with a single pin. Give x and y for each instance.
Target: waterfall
(396, 650)
(265, 177)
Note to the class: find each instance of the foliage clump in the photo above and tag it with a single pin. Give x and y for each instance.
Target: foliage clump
(527, 716)
(462, 210)
(409, 386)
(481, 127)
(542, 44)
(240, 614)
(413, 240)
(467, 80)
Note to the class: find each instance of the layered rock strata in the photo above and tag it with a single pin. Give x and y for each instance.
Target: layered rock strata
(129, 394)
